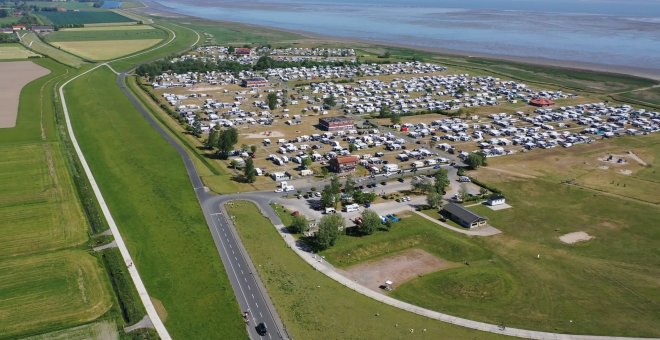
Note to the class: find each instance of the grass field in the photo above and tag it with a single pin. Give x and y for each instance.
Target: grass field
(105, 49)
(83, 17)
(411, 232)
(225, 33)
(313, 306)
(37, 201)
(15, 51)
(96, 330)
(107, 28)
(51, 290)
(107, 34)
(64, 4)
(32, 41)
(147, 189)
(184, 39)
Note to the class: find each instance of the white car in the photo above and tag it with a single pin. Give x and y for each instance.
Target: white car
(279, 190)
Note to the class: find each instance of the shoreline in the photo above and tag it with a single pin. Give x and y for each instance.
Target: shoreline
(167, 12)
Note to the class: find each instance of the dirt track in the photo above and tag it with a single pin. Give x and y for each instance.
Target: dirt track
(399, 268)
(13, 76)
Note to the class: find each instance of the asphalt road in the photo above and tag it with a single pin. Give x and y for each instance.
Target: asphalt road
(248, 289)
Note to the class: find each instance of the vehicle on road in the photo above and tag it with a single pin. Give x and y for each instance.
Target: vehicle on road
(261, 329)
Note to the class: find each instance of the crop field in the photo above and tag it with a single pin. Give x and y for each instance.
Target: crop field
(97, 330)
(106, 49)
(21, 72)
(106, 34)
(83, 17)
(15, 51)
(314, 306)
(131, 162)
(64, 4)
(107, 28)
(32, 41)
(37, 201)
(51, 290)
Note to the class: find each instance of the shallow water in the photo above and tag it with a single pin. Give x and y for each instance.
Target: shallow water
(608, 32)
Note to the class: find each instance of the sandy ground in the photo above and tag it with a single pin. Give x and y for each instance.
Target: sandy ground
(13, 76)
(578, 236)
(399, 268)
(265, 134)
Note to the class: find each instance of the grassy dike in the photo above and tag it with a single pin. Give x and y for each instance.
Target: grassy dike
(149, 194)
(313, 306)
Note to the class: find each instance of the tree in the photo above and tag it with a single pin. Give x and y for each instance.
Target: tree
(462, 192)
(349, 186)
(272, 100)
(328, 199)
(434, 199)
(395, 119)
(385, 111)
(441, 181)
(253, 148)
(233, 164)
(475, 160)
(306, 162)
(196, 129)
(249, 173)
(212, 141)
(352, 148)
(335, 186)
(328, 233)
(231, 49)
(4, 13)
(226, 141)
(299, 224)
(370, 222)
(423, 185)
(330, 101)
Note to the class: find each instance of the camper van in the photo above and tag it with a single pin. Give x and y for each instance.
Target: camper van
(352, 207)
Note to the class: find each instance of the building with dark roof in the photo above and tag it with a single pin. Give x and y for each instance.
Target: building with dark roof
(343, 164)
(336, 123)
(463, 216)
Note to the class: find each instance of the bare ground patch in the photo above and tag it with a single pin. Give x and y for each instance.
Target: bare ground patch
(399, 268)
(264, 134)
(14, 76)
(575, 237)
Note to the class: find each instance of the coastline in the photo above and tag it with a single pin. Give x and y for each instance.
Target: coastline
(156, 9)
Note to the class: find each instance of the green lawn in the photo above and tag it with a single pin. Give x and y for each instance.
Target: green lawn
(411, 232)
(32, 41)
(234, 33)
(51, 291)
(147, 189)
(94, 35)
(63, 4)
(313, 306)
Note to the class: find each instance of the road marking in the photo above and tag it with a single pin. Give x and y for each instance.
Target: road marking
(252, 295)
(249, 287)
(261, 315)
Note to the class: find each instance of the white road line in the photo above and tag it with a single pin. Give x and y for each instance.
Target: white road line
(261, 315)
(235, 275)
(249, 287)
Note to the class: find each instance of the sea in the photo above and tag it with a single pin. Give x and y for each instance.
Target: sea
(620, 34)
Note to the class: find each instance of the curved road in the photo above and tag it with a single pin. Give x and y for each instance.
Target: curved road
(249, 291)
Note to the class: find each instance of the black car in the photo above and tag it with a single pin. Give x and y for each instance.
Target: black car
(261, 329)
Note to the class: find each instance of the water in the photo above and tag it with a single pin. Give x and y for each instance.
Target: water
(606, 32)
(111, 4)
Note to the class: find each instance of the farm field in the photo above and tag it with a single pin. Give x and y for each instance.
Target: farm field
(32, 41)
(51, 290)
(312, 305)
(84, 17)
(64, 4)
(106, 34)
(15, 51)
(96, 330)
(38, 202)
(131, 162)
(21, 73)
(105, 49)
(107, 28)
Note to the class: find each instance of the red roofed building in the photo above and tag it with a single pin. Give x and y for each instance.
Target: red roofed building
(242, 51)
(343, 164)
(541, 102)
